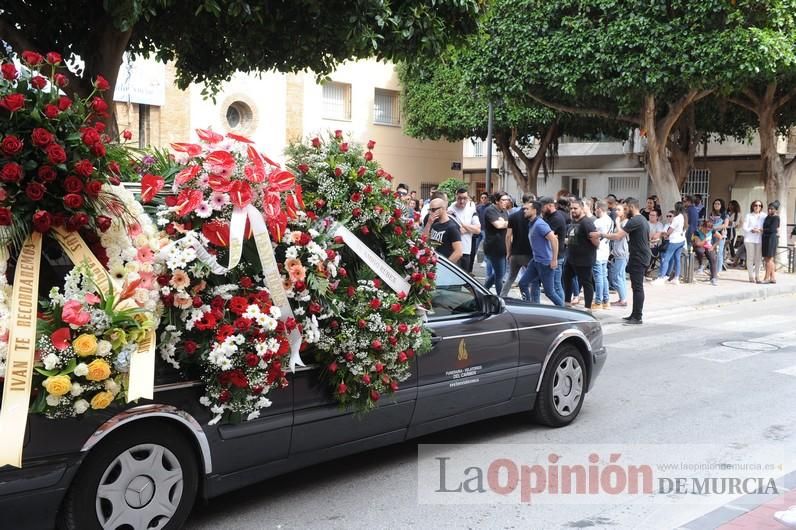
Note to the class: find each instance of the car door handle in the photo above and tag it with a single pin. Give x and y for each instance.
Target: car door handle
(435, 339)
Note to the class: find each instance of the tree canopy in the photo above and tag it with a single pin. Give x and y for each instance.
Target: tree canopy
(209, 40)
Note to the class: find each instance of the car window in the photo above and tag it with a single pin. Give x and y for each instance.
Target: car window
(453, 295)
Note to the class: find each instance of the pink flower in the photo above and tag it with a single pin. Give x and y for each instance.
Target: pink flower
(147, 279)
(133, 229)
(92, 298)
(73, 314)
(145, 255)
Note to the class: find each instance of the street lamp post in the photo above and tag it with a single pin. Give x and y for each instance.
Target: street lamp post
(490, 119)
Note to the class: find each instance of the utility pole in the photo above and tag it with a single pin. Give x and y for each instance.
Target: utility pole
(489, 150)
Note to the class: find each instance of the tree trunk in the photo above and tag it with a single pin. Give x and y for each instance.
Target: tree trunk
(682, 145)
(105, 61)
(775, 175)
(659, 164)
(504, 144)
(533, 164)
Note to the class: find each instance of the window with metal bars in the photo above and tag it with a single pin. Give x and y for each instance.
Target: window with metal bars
(336, 101)
(386, 107)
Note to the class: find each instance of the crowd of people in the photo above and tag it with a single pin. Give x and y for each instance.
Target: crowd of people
(581, 250)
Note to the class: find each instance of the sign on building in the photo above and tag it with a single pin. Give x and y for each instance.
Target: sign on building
(141, 81)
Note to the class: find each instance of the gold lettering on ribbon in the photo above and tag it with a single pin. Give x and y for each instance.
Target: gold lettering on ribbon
(21, 350)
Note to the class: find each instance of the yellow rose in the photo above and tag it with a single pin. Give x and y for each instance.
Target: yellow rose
(58, 385)
(98, 370)
(101, 400)
(85, 344)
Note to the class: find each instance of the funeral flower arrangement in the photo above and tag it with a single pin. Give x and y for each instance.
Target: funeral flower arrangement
(373, 332)
(56, 175)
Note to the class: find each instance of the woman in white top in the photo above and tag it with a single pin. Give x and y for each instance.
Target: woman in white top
(752, 240)
(676, 236)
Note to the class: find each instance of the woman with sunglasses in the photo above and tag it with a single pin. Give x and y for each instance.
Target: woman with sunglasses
(752, 240)
(770, 239)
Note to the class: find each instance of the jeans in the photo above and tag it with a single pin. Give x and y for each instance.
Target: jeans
(637, 270)
(584, 275)
(516, 263)
(600, 272)
(537, 272)
(558, 283)
(618, 278)
(672, 252)
(754, 260)
(498, 273)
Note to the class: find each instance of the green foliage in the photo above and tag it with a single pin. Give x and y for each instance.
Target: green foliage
(212, 39)
(449, 187)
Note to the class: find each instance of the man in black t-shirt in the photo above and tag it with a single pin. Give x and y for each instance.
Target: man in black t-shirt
(520, 253)
(638, 231)
(581, 253)
(558, 224)
(496, 222)
(443, 232)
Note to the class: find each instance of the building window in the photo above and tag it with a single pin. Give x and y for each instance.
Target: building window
(478, 147)
(386, 107)
(623, 187)
(336, 101)
(144, 126)
(698, 183)
(238, 116)
(425, 189)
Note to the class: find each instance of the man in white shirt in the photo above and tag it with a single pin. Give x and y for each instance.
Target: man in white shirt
(603, 224)
(463, 212)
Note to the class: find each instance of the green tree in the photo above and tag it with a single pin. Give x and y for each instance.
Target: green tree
(209, 40)
(640, 63)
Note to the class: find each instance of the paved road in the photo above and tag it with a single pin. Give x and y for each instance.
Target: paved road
(671, 381)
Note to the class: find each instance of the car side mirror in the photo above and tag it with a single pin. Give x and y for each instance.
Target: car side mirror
(493, 304)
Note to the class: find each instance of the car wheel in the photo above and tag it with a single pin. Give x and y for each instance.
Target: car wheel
(561, 395)
(138, 478)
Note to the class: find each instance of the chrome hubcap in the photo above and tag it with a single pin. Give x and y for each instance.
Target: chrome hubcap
(567, 386)
(140, 489)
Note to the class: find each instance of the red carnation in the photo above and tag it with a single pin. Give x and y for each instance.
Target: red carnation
(103, 222)
(342, 272)
(378, 367)
(98, 105)
(344, 147)
(11, 145)
(73, 201)
(38, 82)
(11, 172)
(90, 136)
(93, 188)
(72, 184)
(366, 379)
(314, 308)
(64, 103)
(371, 144)
(374, 395)
(53, 57)
(35, 191)
(356, 197)
(32, 58)
(375, 304)
(61, 80)
(361, 171)
(304, 168)
(342, 388)
(84, 168)
(251, 360)
(42, 221)
(368, 156)
(364, 230)
(238, 305)
(98, 150)
(246, 282)
(5, 217)
(316, 142)
(338, 134)
(375, 344)
(356, 212)
(55, 154)
(13, 102)
(189, 347)
(101, 84)
(47, 173)
(127, 135)
(51, 111)
(395, 308)
(338, 172)
(9, 71)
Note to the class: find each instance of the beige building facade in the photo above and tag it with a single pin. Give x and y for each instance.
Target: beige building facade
(360, 98)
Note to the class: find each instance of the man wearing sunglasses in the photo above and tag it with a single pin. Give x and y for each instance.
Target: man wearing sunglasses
(443, 232)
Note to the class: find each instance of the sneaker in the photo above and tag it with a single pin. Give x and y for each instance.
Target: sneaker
(628, 318)
(596, 306)
(714, 282)
(674, 281)
(633, 322)
(619, 303)
(700, 270)
(658, 281)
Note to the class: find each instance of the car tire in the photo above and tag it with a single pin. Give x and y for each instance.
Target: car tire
(560, 397)
(142, 476)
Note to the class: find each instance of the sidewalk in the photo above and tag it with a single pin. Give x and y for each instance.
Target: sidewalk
(733, 287)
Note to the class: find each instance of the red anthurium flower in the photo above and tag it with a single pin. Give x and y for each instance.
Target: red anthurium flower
(239, 138)
(240, 193)
(217, 232)
(192, 149)
(299, 196)
(61, 338)
(188, 201)
(186, 175)
(272, 205)
(277, 225)
(208, 136)
(290, 206)
(219, 183)
(221, 163)
(150, 186)
(281, 181)
(255, 172)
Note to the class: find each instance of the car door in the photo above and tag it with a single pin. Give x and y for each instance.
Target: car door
(473, 362)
